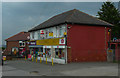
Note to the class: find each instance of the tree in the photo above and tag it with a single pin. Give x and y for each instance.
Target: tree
(111, 14)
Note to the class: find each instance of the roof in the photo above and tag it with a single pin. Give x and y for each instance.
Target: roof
(20, 36)
(73, 16)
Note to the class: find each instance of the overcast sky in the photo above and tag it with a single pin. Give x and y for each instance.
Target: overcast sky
(21, 16)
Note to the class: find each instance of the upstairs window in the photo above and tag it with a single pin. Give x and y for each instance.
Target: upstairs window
(61, 31)
(33, 35)
(50, 33)
(21, 43)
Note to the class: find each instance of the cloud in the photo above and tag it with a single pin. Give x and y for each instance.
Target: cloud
(21, 16)
(57, 0)
(30, 18)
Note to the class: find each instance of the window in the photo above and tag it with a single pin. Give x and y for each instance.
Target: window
(50, 33)
(21, 43)
(48, 52)
(33, 35)
(60, 31)
(57, 31)
(40, 53)
(54, 32)
(38, 32)
(59, 53)
(42, 34)
(46, 33)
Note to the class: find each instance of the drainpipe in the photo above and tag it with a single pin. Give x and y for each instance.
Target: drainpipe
(66, 45)
(105, 38)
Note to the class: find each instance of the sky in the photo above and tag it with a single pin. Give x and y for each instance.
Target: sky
(22, 16)
(58, 0)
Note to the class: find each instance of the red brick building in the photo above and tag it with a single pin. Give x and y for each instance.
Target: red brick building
(17, 44)
(84, 38)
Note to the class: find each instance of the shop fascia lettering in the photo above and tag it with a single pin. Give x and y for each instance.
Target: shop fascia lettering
(32, 43)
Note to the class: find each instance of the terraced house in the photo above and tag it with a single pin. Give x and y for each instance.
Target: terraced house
(72, 36)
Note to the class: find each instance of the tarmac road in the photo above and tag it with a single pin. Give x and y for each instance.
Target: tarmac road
(29, 68)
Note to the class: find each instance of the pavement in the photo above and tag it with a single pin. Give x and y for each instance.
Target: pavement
(29, 68)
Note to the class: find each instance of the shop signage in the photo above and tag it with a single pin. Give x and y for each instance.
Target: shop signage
(43, 53)
(65, 33)
(15, 50)
(41, 32)
(29, 56)
(4, 57)
(54, 41)
(32, 43)
(51, 34)
(116, 40)
(109, 50)
(62, 41)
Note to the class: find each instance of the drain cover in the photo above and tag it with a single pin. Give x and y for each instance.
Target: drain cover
(34, 72)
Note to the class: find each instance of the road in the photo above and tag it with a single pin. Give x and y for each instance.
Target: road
(29, 68)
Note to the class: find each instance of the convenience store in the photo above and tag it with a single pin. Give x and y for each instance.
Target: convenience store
(72, 36)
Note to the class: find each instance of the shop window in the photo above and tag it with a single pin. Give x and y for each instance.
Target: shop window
(31, 51)
(37, 52)
(59, 53)
(40, 53)
(48, 52)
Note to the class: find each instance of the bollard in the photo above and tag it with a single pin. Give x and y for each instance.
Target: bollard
(40, 60)
(32, 58)
(52, 61)
(36, 59)
(46, 60)
(25, 57)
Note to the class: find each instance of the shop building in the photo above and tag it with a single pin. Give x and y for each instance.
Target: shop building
(17, 45)
(72, 36)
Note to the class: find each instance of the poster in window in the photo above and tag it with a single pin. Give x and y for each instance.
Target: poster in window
(15, 50)
(62, 41)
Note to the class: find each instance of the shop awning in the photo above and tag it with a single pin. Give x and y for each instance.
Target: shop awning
(36, 46)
